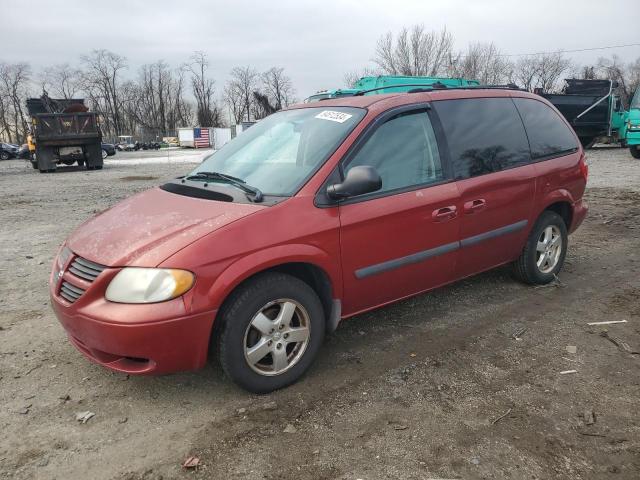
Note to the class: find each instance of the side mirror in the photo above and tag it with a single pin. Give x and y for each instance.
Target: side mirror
(359, 180)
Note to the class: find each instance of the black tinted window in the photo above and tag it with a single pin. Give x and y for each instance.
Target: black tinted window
(548, 134)
(484, 135)
(403, 151)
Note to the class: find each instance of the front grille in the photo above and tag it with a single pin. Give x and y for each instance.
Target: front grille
(70, 292)
(85, 269)
(81, 268)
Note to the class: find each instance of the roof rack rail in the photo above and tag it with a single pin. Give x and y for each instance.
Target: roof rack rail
(404, 85)
(508, 86)
(429, 87)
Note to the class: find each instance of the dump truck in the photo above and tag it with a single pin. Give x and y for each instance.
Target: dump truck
(593, 108)
(391, 84)
(64, 132)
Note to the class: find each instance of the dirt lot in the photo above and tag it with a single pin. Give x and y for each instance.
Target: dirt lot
(432, 387)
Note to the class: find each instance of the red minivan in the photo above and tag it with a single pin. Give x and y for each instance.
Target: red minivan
(317, 213)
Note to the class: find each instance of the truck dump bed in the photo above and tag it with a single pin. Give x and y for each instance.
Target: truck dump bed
(62, 119)
(51, 126)
(579, 105)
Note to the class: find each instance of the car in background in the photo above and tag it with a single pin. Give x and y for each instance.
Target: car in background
(108, 150)
(8, 151)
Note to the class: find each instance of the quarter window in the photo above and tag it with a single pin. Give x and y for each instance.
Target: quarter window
(548, 134)
(484, 135)
(404, 151)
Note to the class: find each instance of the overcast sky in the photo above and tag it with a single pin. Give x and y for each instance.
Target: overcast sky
(315, 41)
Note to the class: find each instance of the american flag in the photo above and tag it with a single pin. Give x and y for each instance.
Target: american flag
(201, 137)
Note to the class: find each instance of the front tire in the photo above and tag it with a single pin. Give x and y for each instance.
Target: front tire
(272, 330)
(544, 253)
(635, 151)
(105, 154)
(4, 156)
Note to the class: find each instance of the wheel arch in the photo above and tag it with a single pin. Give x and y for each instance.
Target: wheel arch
(560, 202)
(564, 209)
(307, 263)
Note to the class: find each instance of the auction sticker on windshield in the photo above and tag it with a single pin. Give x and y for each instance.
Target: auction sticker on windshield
(339, 117)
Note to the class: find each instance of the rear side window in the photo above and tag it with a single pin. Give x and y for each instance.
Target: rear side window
(484, 135)
(404, 151)
(548, 134)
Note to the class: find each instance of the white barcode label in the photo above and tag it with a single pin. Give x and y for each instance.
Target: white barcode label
(339, 117)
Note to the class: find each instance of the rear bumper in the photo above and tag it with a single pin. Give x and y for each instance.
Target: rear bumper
(153, 347)
(580, 209)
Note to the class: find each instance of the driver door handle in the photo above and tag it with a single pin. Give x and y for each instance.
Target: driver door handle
(475, 205)
(445, 213)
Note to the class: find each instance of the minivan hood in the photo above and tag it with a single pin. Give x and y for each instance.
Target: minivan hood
(147, 228)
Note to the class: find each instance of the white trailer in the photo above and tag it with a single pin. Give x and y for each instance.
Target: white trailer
(185, 137)
(220, 137)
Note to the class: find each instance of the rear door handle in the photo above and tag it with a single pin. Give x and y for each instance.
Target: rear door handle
(474, 206)
(445, 213)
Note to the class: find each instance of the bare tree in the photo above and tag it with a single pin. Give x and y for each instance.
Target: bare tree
(551, 68)
(525, 72)
(589, 72)
(276, 92)
(414, 52)
(633, 73)
(62, 81)
(278, 87)
(203, 86)
(542, 71)
(102, 82)
(238, 92)
(483, 62)
(14, 88)
(262, 106)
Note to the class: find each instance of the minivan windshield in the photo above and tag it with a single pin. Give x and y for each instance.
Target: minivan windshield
(279, 153)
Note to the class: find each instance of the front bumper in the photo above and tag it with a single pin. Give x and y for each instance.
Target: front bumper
(140, 339)
(140, 348)
(633, 137)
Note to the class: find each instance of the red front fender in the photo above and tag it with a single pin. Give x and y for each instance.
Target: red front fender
(256, 262)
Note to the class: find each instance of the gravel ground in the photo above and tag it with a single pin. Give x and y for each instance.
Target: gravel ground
(432, 387)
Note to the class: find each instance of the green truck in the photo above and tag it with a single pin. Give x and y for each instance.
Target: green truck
(391, 84)
(632, 126)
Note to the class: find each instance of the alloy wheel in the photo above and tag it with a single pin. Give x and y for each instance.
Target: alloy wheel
(549, 249)
(277, 337)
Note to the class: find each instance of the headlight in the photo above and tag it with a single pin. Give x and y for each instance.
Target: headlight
(63, 257)
(148, 285)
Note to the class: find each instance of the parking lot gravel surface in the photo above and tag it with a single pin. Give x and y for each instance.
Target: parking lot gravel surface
(464, 382)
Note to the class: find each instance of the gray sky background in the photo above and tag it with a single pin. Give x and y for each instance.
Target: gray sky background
(315, 41)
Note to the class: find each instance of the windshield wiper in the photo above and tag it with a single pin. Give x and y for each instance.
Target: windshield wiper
(235, 181)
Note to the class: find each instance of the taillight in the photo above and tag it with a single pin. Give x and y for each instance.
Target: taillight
(584, 168)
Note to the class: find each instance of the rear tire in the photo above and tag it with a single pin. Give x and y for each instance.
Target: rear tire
(104, 154)
(635, 151)
(259, 321)
(93, 156)
(4, 156)
(544, 253)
